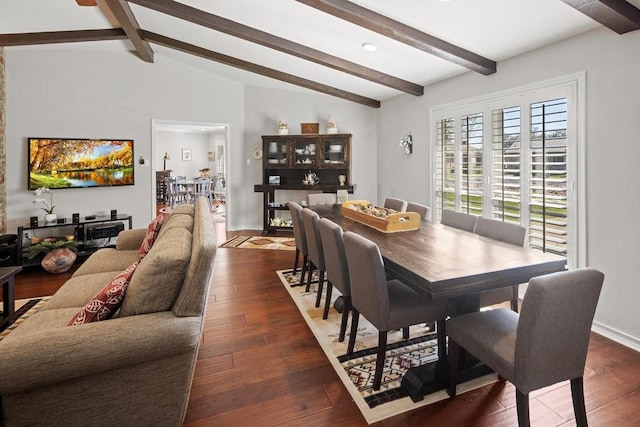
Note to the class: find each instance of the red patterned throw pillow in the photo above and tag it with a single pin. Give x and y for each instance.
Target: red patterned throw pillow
(152, 232)
(106, 302)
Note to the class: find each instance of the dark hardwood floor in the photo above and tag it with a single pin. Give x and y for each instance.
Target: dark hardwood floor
(259, 364)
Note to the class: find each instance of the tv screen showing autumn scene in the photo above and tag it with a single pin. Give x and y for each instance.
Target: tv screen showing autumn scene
(73, 163)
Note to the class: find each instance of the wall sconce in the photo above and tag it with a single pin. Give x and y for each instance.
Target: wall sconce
(164, 161)
(407, 143)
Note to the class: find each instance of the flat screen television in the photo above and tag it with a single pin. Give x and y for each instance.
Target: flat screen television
(78, 163)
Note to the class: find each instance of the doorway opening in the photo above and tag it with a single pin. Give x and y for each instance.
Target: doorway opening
(191, 150)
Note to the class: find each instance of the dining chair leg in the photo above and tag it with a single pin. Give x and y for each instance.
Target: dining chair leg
(296, 260)
(346, 308)
(354, 331)
(320, 287)
(405, 333)
(309, 275)
(522, 404)
(305, 266)
(327, 300)
(577, 395)
(452, 361)
(382, 351)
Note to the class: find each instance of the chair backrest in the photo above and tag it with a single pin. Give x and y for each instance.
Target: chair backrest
(202, 187)
(422, 210)
(369, 293)
(395, 204)
(314, 241)
(335, 259)
(554, 327)
(298, 227)
(501, 230)
(321, 199)
(172, 185)
(459, 220)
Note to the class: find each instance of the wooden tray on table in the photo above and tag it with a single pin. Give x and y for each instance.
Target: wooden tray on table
(382, 219)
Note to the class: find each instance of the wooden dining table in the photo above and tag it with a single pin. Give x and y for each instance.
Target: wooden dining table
(446, 263)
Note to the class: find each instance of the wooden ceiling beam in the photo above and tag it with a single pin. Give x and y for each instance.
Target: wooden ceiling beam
(388, 27)
(121, 10)
(51, 37)
(618, 15)
(257, 69)
(253, 35)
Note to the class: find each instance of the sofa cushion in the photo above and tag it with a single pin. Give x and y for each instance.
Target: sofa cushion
(107, 259)
(152, 232)
(158, 279)
(106, 302)
(181, 217)
(78, 290)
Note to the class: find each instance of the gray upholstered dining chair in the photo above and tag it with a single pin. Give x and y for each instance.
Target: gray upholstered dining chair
(395, 204)
(545, 344)
(301, 240)
(386, 304)
(315, 199)
(316, 253)
(508, 232)
(335, 260)
(460, 220)
(422, 210)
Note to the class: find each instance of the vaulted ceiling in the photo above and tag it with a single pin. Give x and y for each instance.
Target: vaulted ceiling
(317, 44)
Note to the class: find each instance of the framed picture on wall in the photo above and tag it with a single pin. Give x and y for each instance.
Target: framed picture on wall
(186, 154)
(211, 156)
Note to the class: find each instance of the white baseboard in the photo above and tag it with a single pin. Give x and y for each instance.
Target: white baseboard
(617, 336)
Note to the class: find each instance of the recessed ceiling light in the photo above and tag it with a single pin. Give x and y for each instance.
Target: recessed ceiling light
(369, 46)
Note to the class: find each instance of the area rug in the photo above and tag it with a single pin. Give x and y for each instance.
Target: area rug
(261, 242)
(24, 309)
(356, 371)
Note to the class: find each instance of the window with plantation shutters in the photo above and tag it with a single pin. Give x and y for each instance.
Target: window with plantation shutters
(548, 176)
(509, 158)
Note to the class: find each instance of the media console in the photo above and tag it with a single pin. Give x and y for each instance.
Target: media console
(87, 233)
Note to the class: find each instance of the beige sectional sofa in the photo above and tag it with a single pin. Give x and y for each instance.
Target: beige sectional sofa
(134, 369)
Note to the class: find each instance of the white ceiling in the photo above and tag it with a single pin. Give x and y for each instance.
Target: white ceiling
(495, 29)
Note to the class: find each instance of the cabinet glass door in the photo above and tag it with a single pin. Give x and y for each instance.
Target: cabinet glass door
(276, 153)
(334, 152)
(304, 153)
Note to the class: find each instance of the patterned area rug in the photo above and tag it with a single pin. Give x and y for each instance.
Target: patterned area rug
(356, 371)
(24, 309)
(261, 242)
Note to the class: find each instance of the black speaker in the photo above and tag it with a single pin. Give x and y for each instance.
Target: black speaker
(8, 254)
(33, 221)
(75, 218)
(114, 214)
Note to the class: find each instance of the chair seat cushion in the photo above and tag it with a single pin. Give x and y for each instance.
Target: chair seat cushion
(488, 335)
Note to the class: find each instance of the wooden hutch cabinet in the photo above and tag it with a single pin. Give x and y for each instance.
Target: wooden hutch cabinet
(288, 159)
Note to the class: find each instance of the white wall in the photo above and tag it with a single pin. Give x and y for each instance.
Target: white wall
(106, 94)
(173, 143)
(612, 152)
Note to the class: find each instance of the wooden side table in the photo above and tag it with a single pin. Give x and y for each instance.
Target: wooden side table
(8, 280)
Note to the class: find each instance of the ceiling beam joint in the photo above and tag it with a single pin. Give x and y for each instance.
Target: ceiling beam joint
(121, 10)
